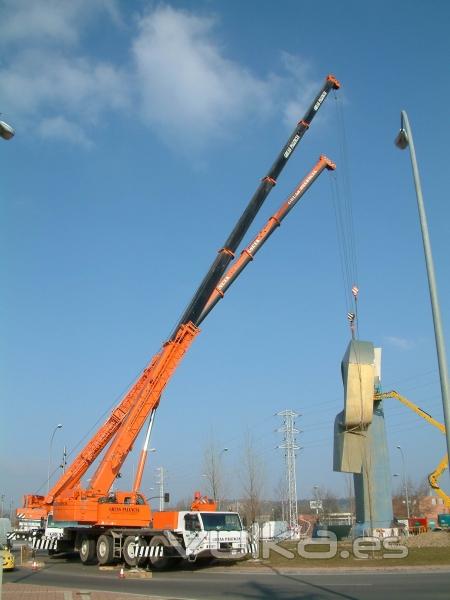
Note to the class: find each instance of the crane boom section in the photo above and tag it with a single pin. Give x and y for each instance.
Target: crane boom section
(142, 387)
(92, 450)
(248, 255)
(226, 254)
(145, 393)
(99, 441)
(112, 425)
(169, 359)
(249, 252)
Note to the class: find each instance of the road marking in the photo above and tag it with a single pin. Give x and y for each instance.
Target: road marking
(348, 584)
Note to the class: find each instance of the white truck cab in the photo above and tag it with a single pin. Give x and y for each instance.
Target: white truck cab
(216, 534)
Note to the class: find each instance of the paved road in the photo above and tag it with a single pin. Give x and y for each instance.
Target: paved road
(238, 584)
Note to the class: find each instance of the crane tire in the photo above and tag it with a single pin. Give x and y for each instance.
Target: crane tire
(129, 554)
(88, 555)
(159, 563)
(105, 549)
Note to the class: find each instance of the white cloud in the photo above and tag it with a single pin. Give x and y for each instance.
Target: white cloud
(301, 89)
(48, 83)
(187, 85)
(176, 73)
(49, 21)
(398, 342)
(59, 128)
(40, 80)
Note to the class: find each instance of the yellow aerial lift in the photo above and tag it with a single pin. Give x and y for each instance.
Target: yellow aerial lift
(434, 476)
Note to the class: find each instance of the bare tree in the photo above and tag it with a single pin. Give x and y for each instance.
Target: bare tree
(213, 469)
(281, 496)
(184, 503)
(419, 491)
(328, 499)
(330, 502)
(252, 480)
(350, 493)
(398, 505)
(416, 494)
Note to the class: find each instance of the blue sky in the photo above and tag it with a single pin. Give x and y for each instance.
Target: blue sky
(143, 128)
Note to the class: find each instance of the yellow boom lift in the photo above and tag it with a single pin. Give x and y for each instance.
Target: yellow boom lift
(434, 476)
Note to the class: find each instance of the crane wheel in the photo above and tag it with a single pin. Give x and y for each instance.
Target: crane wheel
(105, 549)
(129, 552)
(159, 563)
(87, 551)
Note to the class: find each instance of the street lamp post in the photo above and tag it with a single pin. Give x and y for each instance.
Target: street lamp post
(316, 494)
(50, 455)
(405, 483)
(403, 140)
(6, 131)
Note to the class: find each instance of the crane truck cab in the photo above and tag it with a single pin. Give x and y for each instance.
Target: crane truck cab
(201, 534)
(215, 534)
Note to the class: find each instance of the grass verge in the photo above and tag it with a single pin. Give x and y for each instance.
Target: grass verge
(346, 554)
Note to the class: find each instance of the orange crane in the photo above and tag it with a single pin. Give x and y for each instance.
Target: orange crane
(247, 255)
(92, 520)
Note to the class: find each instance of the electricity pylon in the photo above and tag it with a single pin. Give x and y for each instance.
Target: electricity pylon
(290, 446)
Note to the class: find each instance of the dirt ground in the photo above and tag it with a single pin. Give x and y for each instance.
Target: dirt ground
(429, 539)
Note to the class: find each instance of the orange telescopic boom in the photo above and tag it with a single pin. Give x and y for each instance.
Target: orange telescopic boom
(249, 252)
(173, 351)
(226, 253)
(100, 440)
(236, 269)
(66, 498)
(122, 443)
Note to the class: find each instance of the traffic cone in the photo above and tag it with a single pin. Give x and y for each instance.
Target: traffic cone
(121, 574)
